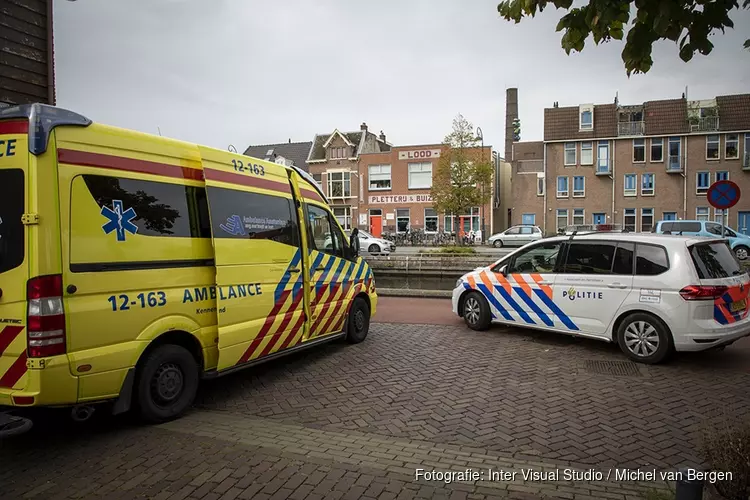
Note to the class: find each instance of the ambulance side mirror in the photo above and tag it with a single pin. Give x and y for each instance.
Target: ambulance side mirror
(354, 242)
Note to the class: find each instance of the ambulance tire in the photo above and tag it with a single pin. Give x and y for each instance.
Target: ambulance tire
(476, 311)
(359, 321)
(640, 327)
(166, 383)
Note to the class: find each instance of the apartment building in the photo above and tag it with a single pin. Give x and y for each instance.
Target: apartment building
(633, 165)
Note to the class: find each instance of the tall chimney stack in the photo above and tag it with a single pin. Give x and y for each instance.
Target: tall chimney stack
(511, 113)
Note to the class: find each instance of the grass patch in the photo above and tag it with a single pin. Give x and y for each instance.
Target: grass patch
(454, 251)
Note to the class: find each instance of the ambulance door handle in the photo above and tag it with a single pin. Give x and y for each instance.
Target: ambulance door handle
(319, 268)
(293, 270)
(617, 285)
(71, 289)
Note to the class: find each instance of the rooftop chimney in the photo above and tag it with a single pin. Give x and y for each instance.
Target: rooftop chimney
(290, 140)
(382, 136)
(363, 127)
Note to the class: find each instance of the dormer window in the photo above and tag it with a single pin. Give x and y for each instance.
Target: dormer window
(337, 153)
(586, 117)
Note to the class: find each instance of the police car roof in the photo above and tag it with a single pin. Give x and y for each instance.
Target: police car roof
(655, 238)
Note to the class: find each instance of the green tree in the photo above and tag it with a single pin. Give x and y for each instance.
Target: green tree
(687, 22)
(463, 178)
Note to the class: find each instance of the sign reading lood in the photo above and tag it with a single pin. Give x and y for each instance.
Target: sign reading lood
(419, 154)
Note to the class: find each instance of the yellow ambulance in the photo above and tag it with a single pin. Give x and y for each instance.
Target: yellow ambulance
(132, 266)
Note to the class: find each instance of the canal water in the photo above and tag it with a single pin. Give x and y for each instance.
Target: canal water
(416, 282)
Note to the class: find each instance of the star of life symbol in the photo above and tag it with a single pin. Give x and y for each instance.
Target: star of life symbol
(119, 220)
(233, 226)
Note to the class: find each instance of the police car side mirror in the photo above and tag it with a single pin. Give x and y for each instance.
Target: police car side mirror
(504, 270)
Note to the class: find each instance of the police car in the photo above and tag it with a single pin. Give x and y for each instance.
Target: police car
(652, 294)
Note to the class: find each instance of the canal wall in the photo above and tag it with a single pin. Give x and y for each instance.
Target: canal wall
(427, 265)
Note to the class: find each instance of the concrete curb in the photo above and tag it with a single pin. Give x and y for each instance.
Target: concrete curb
(406, 292)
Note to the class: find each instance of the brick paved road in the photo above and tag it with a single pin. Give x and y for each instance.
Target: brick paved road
(354, 421)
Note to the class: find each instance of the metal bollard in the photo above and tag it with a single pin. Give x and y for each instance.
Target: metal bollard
(688, 489)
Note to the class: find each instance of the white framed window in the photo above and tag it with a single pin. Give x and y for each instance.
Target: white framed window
(732, 146)
(337, 153)
(379, 177)
(448, 223)
(420, 175)
(639, 150)
(722, 175)
(629, 219)
(403, 221)
(344, 216)
(647, 219)
(702, 182)
(570, 153)
(712, 147)
(579, 216)
(647, 184)
(586, 117)
(675, 159)
(430, 220)
(562, 218)
(629, 186)
(701, 213)
(339, 184)
(719, 216)
(657, 149)
(587, 153)
(540, 185)
(602, 157)
(579, 186)
(562, 186)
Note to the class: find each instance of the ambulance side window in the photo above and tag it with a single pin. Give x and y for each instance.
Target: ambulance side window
(255, 216)
(322, 234)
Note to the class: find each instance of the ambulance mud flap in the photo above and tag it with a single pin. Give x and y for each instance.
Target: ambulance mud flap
(122, 403)
(11, 425)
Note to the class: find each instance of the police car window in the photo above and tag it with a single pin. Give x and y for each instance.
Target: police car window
(537, 259)
(321, 231)
(12, 239)
(623, 263)
(590, 257)
(243, 215)
(158, 208)
(714, 260)
(650, 260)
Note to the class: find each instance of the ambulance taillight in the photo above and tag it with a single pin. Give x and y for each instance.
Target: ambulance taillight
(46, 316)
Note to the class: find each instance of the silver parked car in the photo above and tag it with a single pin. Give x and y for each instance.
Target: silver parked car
(372, 245)
(516, 236)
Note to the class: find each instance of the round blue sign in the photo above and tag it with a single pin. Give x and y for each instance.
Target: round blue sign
(723, 194)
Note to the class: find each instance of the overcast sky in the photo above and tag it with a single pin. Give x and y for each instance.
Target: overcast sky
(243, 72)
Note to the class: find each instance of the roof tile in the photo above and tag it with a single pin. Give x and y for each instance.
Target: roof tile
(667, 116)
(295, 151)
(563, 123)
(734, 111)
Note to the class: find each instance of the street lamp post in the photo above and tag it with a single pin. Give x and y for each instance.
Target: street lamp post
(480, 136)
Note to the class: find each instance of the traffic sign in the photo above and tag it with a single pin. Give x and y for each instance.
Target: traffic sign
(723, 194)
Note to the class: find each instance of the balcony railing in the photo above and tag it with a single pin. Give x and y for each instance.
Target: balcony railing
(674, 164)
(746, 161)
(630, 128)
(705, 124)
(603, 167)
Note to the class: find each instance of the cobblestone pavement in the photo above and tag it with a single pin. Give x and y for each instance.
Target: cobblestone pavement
(356, 421)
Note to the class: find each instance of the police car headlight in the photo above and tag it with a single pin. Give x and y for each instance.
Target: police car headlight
(459, 282)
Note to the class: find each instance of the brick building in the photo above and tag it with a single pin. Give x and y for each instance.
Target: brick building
(396, 192)
(333, 161)
(27, 70)
(631, 165)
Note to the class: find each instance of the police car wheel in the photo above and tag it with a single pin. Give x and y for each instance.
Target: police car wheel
(359, 321)
(476, 311)
(167, 383)
(644, 338)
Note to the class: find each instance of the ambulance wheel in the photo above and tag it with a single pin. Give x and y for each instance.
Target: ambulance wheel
(645, 338)
(166, 383)
(359, 321)
(476, 311)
